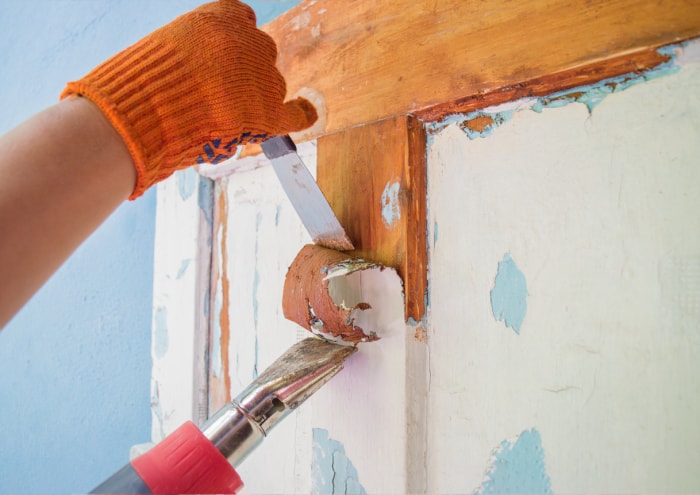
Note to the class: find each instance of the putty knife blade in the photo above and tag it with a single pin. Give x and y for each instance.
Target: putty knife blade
(305, 195)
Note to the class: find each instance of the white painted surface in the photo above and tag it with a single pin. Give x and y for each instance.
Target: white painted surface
(180, 301)
(263, 235)
(600, 213)
(365, 408)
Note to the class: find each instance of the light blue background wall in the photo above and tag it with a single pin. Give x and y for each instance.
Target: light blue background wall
(75, 362)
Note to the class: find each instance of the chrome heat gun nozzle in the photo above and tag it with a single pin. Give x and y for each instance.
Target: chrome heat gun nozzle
(238, 427)
(184, 462)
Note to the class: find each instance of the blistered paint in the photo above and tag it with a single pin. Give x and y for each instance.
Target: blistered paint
(517, 467)
(331, 470)
(391, 208)
(509, 294)
(481, 123)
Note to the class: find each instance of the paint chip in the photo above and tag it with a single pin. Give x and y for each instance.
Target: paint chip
(517, 467)
(391, 207)
(186, 183)
(509, 293)
(183, 268)
(331, 471)
(308, 302)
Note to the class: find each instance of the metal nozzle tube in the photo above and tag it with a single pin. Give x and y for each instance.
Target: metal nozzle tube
(238, 427)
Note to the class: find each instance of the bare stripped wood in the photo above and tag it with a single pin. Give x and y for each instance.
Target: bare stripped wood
(374, 178)
(364, 60)
(220, 321)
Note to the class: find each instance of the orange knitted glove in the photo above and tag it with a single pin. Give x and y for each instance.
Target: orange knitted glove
(193, 90)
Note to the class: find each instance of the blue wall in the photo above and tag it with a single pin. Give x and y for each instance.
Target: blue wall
(75, 362)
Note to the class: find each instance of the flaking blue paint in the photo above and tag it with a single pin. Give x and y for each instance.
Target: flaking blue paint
(391, 208)
(205, 199)
(331, 471)
(499, 118)
(205, 202)
(186, 182)
(509, 294)
(592, 94)
(416, 323)
(518, 467)
(589, 95)
(183, 268)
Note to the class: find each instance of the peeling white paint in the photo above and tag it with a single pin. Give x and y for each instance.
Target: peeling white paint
(180, 292)
(600, 212)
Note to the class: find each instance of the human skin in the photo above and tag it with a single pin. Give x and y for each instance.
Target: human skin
(62, 173)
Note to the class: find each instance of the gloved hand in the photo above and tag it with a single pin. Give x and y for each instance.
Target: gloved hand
(193, 90)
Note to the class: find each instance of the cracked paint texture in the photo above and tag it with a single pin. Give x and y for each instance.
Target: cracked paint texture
(331, 470)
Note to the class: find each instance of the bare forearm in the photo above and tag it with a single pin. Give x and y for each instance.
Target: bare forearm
(61, 174)
(65, 170)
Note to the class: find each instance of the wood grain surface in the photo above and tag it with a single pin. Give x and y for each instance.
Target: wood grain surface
(361, 60)
(372, 172)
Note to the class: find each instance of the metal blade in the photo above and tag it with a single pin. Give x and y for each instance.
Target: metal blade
(305, 195)
(238, 427)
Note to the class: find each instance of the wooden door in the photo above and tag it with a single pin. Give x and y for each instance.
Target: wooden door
(553, 273)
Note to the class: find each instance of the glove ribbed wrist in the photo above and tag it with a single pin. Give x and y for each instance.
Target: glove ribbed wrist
(193, 90)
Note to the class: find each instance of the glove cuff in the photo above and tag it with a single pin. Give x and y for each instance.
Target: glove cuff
(192, 91)
(128, 89)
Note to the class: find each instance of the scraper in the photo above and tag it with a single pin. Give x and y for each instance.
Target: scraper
(305, 195)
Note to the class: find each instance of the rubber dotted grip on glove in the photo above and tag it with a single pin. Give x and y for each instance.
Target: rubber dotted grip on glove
(186, 462)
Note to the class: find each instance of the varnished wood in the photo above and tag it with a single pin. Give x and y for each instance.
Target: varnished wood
(362, 60)
(628, 63)
(354, 169)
